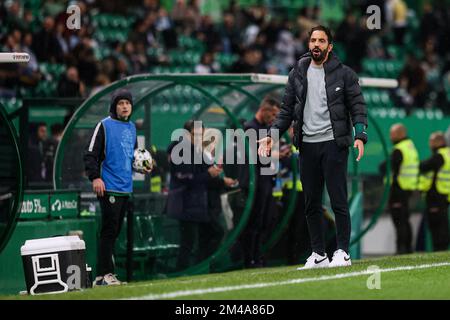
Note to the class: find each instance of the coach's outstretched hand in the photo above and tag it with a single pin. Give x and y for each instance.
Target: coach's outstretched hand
(99, 187)
(360, 145)
(265, 144)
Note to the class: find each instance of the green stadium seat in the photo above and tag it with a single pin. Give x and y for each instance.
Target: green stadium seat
(225, 60)
(102, 52)
(381, 69)
(369, 65)
(385, 99)
(190, 43)
(99, 35)
(376, 99)
(367, 97)
(396, 52)
(11, 105)
(154, 52)
(103, 21)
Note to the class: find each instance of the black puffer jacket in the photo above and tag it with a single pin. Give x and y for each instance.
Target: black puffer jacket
(345, 100)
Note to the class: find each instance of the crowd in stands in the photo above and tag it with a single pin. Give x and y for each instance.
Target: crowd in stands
(127, 38)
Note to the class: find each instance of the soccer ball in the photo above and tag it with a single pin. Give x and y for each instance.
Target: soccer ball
(142, 160)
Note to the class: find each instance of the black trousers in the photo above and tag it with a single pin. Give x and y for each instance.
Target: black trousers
(325, 163)
(399, 209)
(297, 230)
(253, 235)
(113, 212)
(208, 235)
(437, 217)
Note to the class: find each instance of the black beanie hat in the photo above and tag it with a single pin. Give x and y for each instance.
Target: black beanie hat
(116, 97)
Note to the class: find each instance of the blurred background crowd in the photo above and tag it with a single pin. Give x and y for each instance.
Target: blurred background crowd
(118, 39)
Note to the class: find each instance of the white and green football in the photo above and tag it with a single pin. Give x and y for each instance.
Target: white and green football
(142, 160)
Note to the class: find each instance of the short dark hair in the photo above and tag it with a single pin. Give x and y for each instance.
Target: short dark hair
(189, 125)
(270, 101)
(324, 29)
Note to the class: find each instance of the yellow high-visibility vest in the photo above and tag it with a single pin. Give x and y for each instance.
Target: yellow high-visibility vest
(409, 168)
(443, 175)
(277, 194)
(155, 184)
(288, 184)
(425, 181)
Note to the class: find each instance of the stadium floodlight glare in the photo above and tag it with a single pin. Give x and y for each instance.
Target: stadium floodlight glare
(14, 57)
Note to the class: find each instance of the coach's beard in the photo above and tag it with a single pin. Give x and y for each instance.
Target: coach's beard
(317, 55)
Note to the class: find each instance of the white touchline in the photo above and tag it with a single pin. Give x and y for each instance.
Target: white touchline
(183, 293)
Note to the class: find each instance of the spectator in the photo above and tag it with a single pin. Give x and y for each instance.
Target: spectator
(206, 64)
(121, 68)
(306, 19)
(27, 44)
(87, 65)
(355, 42)
(61, 38)
(229, 34)
(70, 85)
(165, 26)
(36, 169)
(13, 15)
(137, 60)
(432, 71)
(46, 45)
(397, 16)
(187, 17)
(412, 79)
(179, 12)
(285, 49)
(151, 6)
(428, 24)
(9, 72)
(29, 72)
(250, 62)
(50, 146)
(208, 34)
(101, 81)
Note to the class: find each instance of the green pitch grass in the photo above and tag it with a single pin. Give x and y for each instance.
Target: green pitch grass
(416, 276)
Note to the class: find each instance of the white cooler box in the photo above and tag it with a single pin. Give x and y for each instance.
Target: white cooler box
(54, 265)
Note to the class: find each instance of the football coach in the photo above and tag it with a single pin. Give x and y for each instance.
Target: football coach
(323, 101)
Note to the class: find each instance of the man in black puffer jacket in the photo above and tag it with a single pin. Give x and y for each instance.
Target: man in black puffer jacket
(324, 100)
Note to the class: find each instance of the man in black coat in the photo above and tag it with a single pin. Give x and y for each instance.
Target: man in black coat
(251, 238)
(188, 193)
(324, 100)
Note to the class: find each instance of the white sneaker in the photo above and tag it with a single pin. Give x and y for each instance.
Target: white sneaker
(98, 281)
(315, 260)
(110, 280)
(340, 259)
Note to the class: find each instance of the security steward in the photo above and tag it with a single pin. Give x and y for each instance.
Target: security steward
(404, 179)
(435, 182)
